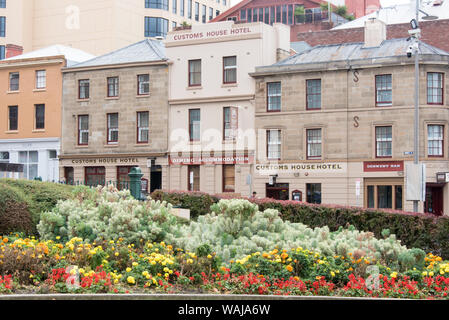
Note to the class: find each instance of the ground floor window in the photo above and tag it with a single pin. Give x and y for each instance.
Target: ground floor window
(228, 178)
(30, 160)
(69, 175)
(277, 191)
(94, 176)
(194, 178)
(123, 177)
(313, 192)
(384, 193)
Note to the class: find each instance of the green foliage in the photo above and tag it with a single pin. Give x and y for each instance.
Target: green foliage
(104, 213)
(237, 228)
(31, 199)
(14, 212)
(414, 231)
(198, 202)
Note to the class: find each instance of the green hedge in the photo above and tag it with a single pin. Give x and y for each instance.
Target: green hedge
(22, 201)
(422, 231)
(198, 202)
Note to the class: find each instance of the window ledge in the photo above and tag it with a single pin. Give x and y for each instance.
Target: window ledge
(194, 88)
(12, 92)
(83, 100)
(146, 144)
(81, 146)
(12, 132)
(111, 145)
(112, 98)
(143, 95)
(229, 85)
(40, 90)
(38, 130)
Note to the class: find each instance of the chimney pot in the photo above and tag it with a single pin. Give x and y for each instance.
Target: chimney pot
(13, 50)
(375, 33)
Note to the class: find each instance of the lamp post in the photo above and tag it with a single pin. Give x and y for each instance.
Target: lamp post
(416, 126)
(416, 33)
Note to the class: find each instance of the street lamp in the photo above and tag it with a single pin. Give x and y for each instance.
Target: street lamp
(415, 33)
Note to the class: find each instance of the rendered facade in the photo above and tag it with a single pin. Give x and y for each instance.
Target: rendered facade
(211, 139)
(30, 108)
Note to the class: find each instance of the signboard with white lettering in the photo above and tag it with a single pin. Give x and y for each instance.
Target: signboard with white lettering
(198, 160)
(375, 166)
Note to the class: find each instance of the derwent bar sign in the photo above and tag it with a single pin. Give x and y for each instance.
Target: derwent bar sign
(375, 166)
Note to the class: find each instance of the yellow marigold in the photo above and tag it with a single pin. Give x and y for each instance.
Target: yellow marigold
(128, 269)
(131, 280)
(289, 268)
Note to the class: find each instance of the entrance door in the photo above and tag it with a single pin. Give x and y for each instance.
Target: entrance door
(69, 175)
(434, 200)
(277, 191)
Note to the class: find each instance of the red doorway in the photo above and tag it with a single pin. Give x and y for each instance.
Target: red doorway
(434, 199)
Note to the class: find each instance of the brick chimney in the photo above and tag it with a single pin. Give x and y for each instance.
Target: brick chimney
(13, 50)
(375, 33)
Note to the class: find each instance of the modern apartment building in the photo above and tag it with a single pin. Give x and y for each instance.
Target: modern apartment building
(335, 124)
(211, 98)
(97, 26)
(30, 109)
(115, 116)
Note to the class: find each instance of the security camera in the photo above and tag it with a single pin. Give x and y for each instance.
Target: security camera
(409, 51)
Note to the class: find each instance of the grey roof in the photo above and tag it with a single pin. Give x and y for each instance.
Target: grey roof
(355, 51)
(299, 46)
(147, 50)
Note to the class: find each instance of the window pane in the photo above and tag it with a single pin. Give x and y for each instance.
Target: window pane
(435, 140)
(384, 90)
(13, 117)
(14, 81)
(274, 96)
(194, 72)
(40, 116)
(194, 125)
(40, 79)
(384, 197)
(370, 196)
(313, 192)
(383, 141)
(228, 178)
(84, 89)
(314, 143)
(435, 88)
(398, 197)
(313, 94)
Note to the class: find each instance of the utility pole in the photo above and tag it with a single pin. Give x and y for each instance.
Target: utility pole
(416, 126)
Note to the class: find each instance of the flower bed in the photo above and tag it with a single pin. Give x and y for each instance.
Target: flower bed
(33, 266)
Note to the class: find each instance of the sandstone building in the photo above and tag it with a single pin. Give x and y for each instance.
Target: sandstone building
(335, 124)
(115, 116)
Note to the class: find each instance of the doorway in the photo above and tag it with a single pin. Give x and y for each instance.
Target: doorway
(277, 191)
(155, 178)
(434, 199)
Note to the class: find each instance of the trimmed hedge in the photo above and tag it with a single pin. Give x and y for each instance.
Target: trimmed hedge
(22, 202)
(198, 202)
(423, 231)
